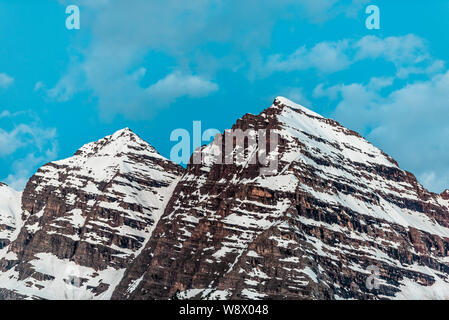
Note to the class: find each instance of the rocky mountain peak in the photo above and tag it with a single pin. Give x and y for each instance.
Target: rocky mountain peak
(303, 126)
(336, 207)
(281, 102)
(120, 221)
(86, 217)
(121, 142)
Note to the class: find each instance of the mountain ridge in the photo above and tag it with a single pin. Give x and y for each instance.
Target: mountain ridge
(333, 207)
(229, 232)
(85, 218)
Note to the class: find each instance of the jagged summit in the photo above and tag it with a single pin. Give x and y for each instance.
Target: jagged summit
(327, 135)
(282, 101)
(121, 152)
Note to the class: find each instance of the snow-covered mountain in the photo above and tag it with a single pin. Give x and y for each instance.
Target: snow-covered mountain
(85, 218)
(117, 220)
(336, 208)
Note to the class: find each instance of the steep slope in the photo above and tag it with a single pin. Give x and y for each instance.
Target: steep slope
(86, 218)
(10, 216)
(335, 207)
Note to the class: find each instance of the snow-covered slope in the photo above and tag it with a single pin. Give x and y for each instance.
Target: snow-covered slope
(86, 218)
(10, 216)
(334, 208)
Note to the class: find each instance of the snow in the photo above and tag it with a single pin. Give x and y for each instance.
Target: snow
(63, 271)
(135, 284)
(411, 290)
(312, 275)
(332, 155)
(10, 213)
(252, 294)
(296, 106)
(119, 173)
(315, 145)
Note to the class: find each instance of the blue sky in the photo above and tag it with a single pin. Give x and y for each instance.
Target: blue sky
(155, 66)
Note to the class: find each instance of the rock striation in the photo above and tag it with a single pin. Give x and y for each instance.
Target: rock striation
(86, 218)
(333, 218)
(337, 219)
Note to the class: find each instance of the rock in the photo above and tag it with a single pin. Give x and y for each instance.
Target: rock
(336, 206)
(87, 217)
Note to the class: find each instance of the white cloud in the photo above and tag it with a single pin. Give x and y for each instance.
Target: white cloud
(22, 169)
(409, 54)
(71, 83)
(24, 135)
(319, 11)
(9, 114)
(39, 86)
(5, 114)
(123, 34)
(30, 145)
(5, 80)
(325, 56)
(177, 85)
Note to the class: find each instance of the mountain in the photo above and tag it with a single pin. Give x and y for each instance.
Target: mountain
(336, 219)
(306, 209)
(85, 219)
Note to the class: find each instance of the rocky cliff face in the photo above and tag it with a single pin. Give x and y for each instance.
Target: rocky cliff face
(334, 209)
(86, 218)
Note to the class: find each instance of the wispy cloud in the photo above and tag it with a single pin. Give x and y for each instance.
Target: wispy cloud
(326, 57)
(38, 86)
(29, 145)
(177, 84)
(5, 80)
(121, 36)
(22, 168)
(296, 94)
(408, 53)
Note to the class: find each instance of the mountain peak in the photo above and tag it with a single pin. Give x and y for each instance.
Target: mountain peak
(118, 152)
(331, 197)
(282, 101)
(123, 132)
(123, 141)
(86, 216)
(126, 135)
